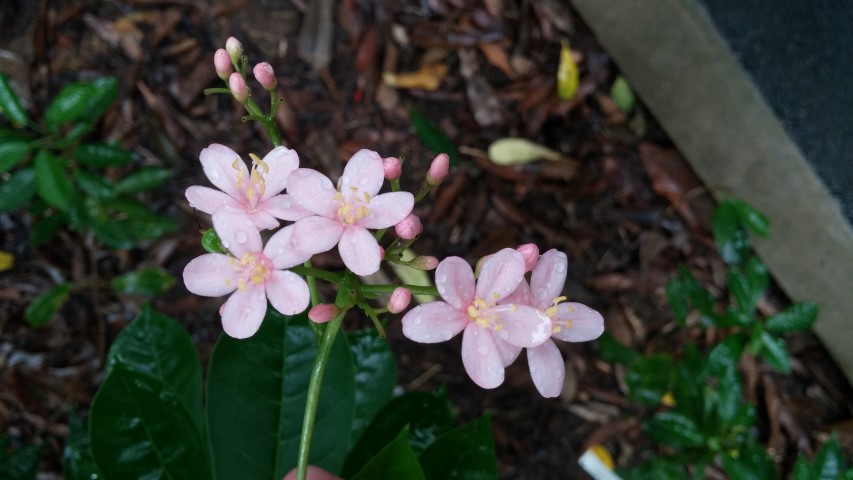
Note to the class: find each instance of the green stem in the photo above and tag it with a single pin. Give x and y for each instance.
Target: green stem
(308, 271)
(415, 289)
(317, 372)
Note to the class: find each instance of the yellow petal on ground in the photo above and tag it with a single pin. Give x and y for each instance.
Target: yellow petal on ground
(429, 77)
(668, 400)
(413, 276)
(6, 260)
(567, 74)
(518, 151)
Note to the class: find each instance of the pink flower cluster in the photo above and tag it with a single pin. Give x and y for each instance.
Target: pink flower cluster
(501, 314)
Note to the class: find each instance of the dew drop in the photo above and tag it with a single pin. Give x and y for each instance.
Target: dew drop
(192, 205)
(503, 334)
(212, 174)
(242, 237)
(363, 181)
(225, 243)
(284, 203)
(446, 335)
(327, 186)
(418, 321)
(560, 267)
(345, 180)
(442, 278)
(483, 351)
(532, 369)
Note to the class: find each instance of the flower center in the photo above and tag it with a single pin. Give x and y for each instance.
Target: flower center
(552, 311)
(253, 270)
(255, 186)
(480, 313)
(352, 208)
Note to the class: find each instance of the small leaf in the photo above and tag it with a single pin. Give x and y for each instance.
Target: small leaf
(18, 190)
(622, 95)
(102, 94)
(44, 307)
(102, 155)
(20, 463)
(676, 296)
(10, 105)
(802, 469)
(517, 151)
(53, 184)
(375, 377)
(753, 463)
(395, 460)
(726, 354)
(433, 137)
(464, 453)
(752, 218)
(649, 378)
(829, 461)
(614, 352)
(142, 180)
(69, 104)
(730, 398)
(147, 281)
(77, 460)
(731, 239)
(12, 152)
(567, 73)
(95, 186)
(672, 428)
(211, 242)
(799, 316)
(774, 351)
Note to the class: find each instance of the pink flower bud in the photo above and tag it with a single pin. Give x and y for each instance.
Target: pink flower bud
(399, 300)
(424, 262)
(323, 312)
(222, 62)
(238, 87)
(265, 75)
(381, 253)
(409, 227)
(438, 169)
(393, 168)
(234, 49)
(530, 252)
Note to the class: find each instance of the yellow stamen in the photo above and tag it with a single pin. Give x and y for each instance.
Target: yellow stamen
(556, 329)
(551, 311)
(366, 197)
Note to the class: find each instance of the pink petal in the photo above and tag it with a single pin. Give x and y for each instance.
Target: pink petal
(218, 164)
(316, 234)
(433, 322)
(211, 275)
(282, 161)
(209, 200)
(237, 232)
(454, 280)
(281, 251)
(283, 207)
(312, 191)
(481, 357)
(500, 275)
(547, 369)
(364, 171)
(521, 325)
(263, 220)
(387, 210)
(548, 278)
(508, 352)
(288, 292)
(359, 251)
(244, 311)
(584, 323)
(520, 296)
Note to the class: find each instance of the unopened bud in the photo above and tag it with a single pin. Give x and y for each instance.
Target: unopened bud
(238, 87)
(381, 253)
(424, 262)
(323, 312)
(479, 266)
(234, 49)
(409, 227)
(222, 62)
(530, 252)
(393, 168)
(399, 300)
(438, 169)
(265, 75)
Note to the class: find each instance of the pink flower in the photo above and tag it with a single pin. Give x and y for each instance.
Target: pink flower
(222, 64)
(409, 227)
(323, 312)
(265, 75)
(254, 193)
(438, 169)
(343, 215)
(399, 300)
(251, 274)
(474, 308)
(237, 84)
(393, 168)
(570, 322)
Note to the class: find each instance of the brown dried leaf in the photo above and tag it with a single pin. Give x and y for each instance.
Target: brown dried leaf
(497, 56)
(429, 77)
(671, 178)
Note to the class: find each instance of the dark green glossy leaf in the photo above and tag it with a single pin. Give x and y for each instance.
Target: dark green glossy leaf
(659, 468)
(69, 104)
(433, 137)
(77, 460)
(256, 393)
(139, 428)
(752, 218)
(12, 152)
(146, 281)
(19, 463)
(802, 469)
(799, 316)
(650, 378)
(614, 352)
(54, 186)
(729, 398)
(375, 377)
(75, 134)
(115, 235)
(44, 307)
(44, 228)
(733, 318)
(752, 463)
(395, 460)
(672, 428)
(676, 296)
(726, 354)
(829, 461)
(464, 453)
(102, 155)
(10, 105)
(143, 179)
(427, 415)
(93, 185)
(102, 94)
(212, 243)
(774, 351)
(731, 238)
(18, 190)
(159, 347)
(748, 284)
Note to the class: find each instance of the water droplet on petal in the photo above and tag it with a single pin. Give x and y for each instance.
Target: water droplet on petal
(212, 174)
(483, 351)
(363, 181)
(242, 237)
(560, 267)
(225, 243)
(284, 203)
(442, 278)
(192, 205)
(345, 180)
(446, 335)
(327, 186)
(418, 321)
(503, 334)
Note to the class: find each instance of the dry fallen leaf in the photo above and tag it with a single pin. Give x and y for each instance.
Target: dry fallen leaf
(429, 77)
(517, 151)
(496, 55)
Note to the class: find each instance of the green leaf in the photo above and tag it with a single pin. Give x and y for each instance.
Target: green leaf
(802, 469)
(140, 428)
(829, 461)
(729, 398)
(752, 218)
(649, 378)
(426, 414)
(148, 281)
(102, 155)
(622, 95)
(211, 242)
(799, 316)
(726, 354)
(44, 228)
(44, 307)
(395, 460)
(20, 463)
(464, 453)
(143, 179)
(731, 239)
(614, 352)
(69, 104)
(256, 393)
(12, 152)
(433, 137)
(672, 428)
(519, 151)
(77, 460)
(375, 377)
(93, 185)
(53, 184)
(753, 463)
(102, 94)
(677, 297)
(18, 190)
(774, 351)
(10, 105)
(658, 468)
(734, 318)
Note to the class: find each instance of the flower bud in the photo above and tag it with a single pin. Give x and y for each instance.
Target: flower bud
(238, 87)
(424, 262)
(409, 227)
(381, 253)
(479, 265)
(530, 252)
(438, 169)
(234, 49)
(265, 75)
(393, 168)
(222, 62)
(399, 300)
(323, 312)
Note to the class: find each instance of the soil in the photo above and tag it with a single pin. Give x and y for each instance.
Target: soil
(622, 203)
